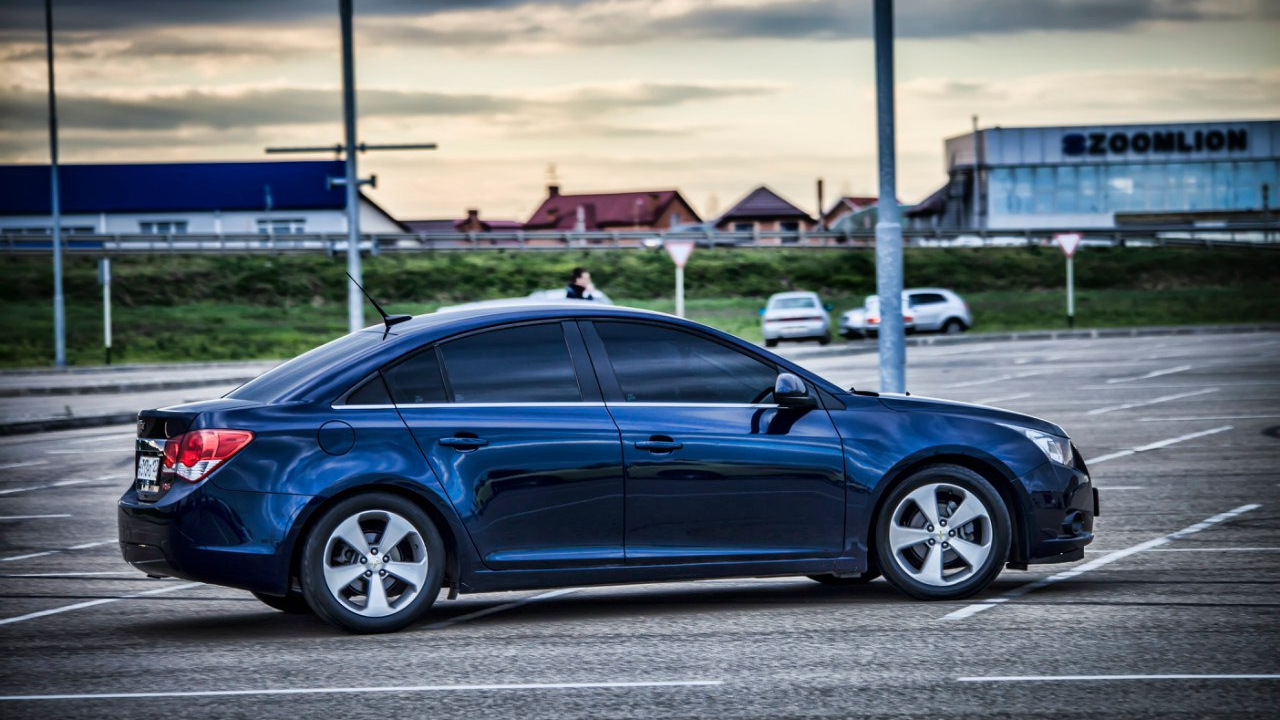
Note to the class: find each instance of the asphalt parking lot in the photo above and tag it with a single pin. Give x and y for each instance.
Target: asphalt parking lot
(1172, 613)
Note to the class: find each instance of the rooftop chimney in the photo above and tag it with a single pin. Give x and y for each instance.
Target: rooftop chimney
(553, 191)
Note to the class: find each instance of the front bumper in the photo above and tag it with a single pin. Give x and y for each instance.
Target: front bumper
(212, 535)
(1060, 504)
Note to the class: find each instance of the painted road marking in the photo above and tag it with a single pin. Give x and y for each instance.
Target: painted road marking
(60, 483)
(1219, 549)
(1144, 403)
(500, 608)
(85, 546)
(32, 517)
(1153, 373)
(1157, 445)
(72, 574)
(92, 603)
(117, 451)
(988, 381)
(1214, 417)
(974, 609)
(1121, 487)
(376, 690)
(1074, 678)
(1002, 398)
(29, 463)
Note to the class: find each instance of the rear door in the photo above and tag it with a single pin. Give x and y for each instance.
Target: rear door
(715, 470)
(511, 420)
(928, 309)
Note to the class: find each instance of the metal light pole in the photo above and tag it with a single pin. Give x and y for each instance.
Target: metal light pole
(355, 299)
(55, 202)
(892, 345)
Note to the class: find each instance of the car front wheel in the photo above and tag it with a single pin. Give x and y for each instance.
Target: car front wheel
(373, 563)
(944, 534)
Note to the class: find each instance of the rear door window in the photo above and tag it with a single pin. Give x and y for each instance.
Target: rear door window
(524, 364)
(416, 380)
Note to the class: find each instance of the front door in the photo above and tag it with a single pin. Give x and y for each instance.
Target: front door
(715, 470)
(528, 455)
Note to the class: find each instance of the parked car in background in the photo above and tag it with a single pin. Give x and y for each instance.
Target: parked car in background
(796, 315)
(923, 310)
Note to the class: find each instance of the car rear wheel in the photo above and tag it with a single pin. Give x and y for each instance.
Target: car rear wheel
(944, 534)
(373, 563)
(825, 339)
(771, 343)
(293, 603)
(953, 327)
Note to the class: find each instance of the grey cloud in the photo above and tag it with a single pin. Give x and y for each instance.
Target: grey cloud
(22, 109)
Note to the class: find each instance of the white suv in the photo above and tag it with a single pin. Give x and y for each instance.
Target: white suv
(923, 310)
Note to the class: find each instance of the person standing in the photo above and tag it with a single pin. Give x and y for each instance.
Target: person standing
(580, 287)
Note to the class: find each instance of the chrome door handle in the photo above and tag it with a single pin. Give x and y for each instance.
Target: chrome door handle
(659, 446)
(463, 443)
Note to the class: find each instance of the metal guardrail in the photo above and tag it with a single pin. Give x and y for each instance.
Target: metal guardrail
(1263, 235)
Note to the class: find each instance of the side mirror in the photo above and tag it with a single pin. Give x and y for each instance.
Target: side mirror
(790, 391)
(760, 311)
(828, 307)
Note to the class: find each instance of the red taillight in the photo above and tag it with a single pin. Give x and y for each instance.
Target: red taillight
(908, 318)
(193, 455)
(873, 320)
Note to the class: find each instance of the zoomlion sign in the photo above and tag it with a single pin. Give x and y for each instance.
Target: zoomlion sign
(1158, 142)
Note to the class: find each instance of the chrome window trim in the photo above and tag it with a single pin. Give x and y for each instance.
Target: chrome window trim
(555, 404)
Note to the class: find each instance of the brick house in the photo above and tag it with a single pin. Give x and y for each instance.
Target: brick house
(643, 210)
(763, 211)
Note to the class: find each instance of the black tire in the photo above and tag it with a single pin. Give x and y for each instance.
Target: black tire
(852, 335)
(293, 603)
(771, 343)
(825, 339)
(953, 326)
(368, 517)
(913, 569)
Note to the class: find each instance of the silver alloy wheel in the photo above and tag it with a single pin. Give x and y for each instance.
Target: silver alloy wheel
(941, 534)
(375, 563)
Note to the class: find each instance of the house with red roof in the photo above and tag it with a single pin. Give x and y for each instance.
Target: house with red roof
(763, 211)
(846, 206)
(641, 210)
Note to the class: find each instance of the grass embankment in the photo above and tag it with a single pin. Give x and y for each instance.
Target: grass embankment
(173, 308)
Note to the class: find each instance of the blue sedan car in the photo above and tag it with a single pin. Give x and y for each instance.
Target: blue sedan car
(519, 447)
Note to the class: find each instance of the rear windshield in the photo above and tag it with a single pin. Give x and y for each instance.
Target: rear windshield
(793, 302)
(277, 382)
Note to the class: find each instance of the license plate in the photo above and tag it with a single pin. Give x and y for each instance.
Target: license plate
(148, 474)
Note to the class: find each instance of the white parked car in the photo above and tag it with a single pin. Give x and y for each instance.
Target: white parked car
(923, 310)
(795, 316)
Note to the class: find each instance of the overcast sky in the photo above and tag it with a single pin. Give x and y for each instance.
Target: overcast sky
(712, 97)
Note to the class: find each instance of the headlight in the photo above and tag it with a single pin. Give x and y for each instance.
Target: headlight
(1057, 449)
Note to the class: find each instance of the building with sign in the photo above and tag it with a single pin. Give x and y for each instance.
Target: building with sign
(1107, 176)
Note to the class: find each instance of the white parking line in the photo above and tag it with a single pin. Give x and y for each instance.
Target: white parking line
(29, 463)
(1002, 398)
(93, 603)
(60, 483)
(975, 608)
(117, 451)
(1156, 445)
(70, 574)
(988, 381)
(1075, 678)
(1153, 373)
(1220, 549)
(500, 608)
(33, 517)
(85, 546)
(1121, 487)
(1212, 417)
(1144, 403)
(378, 691)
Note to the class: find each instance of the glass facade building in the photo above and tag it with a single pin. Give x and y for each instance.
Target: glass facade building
(1104, 176)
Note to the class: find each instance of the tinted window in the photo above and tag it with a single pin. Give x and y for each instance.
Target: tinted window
(926, 299)
(655, 364)
(371, 392)
(520, 364)
(416, 380)
(793, 302)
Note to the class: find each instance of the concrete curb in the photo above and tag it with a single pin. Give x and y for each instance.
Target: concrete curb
(863, 347)
(67, 423)
(86, 369)
(109, 388)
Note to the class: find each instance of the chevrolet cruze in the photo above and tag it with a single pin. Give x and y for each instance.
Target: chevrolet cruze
(517, 447)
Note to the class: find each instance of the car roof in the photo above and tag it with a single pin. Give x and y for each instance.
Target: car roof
(793, 293)
(513, 312)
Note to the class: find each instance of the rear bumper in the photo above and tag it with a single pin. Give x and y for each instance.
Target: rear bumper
(212, 535)
(794, 330)
(1059, 508)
